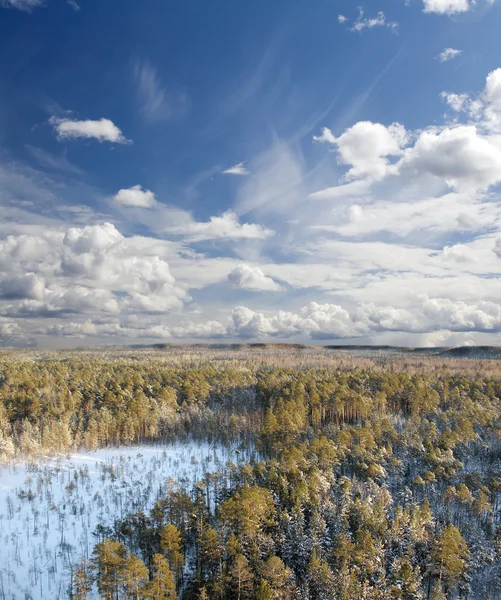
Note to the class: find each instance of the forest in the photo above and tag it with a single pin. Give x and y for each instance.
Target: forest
(349, 477)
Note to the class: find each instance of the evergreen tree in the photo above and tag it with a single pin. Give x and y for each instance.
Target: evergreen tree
(450, 556)
(109, 559)
(135, 577)
(241, 576)
(171, 546)
(82, 581)
(162, 585)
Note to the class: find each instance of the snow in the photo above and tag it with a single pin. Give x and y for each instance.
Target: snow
(49, 509)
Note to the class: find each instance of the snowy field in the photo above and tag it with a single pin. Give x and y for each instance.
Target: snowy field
(48, 510)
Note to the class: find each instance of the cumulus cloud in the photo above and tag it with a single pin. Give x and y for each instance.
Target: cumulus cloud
(447, 7)
(444, 313)
(238, 169)
(158, 103)
(342, 19)
(319, 321)
(366, 147)
(102, 130)
(459, 253)
(135, 196)
(245, 277)
(449, 54)
(331, 321)
(225, 227)
(485, 110)
(21, 287)
(86, 270)
(460, 156)
(492, 99)
(457, 102)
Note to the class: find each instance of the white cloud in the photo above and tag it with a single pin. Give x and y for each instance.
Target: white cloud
(225, 227)
(158, 103)
(492, 99)
(366, 147)
(363, 22)
(460, 253)
(331, 321)
(74, 5)
(319, 321)
(460, 156)
(208, 330)
(238, 169)
(485, 110)
(357, 188)
(497, 247)
(342, 19)
(245, 277)
(26, 5)
(326, 137)
(92, 238)
(493, 88)
(447, 7)
(20, 287)
(102, 130)
(92, 270)
(457, 102)
(449, 54)
(444, 313)
(450, 7)
(135, 196)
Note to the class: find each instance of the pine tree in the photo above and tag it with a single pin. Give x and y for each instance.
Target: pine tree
(162, 585)
(82, 581)
(264, 591)
(277, 575)
(450, 556)
(171, 545)
(203, 595)
(406, 581)
(109, 558)
(320, 578)
(241, 576)
(437, 592)
(135, 577)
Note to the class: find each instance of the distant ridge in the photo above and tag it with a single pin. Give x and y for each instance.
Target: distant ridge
(472, 352)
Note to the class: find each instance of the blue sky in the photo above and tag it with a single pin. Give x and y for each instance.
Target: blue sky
(186, 170)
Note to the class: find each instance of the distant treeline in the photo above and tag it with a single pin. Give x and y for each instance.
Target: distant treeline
(56, 405)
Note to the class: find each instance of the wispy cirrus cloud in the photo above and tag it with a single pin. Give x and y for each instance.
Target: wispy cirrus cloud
(238, 169)
(26, 5)
(157, 101)
(54, 162)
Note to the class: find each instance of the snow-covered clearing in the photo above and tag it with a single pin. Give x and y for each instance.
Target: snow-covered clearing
(49, 510)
